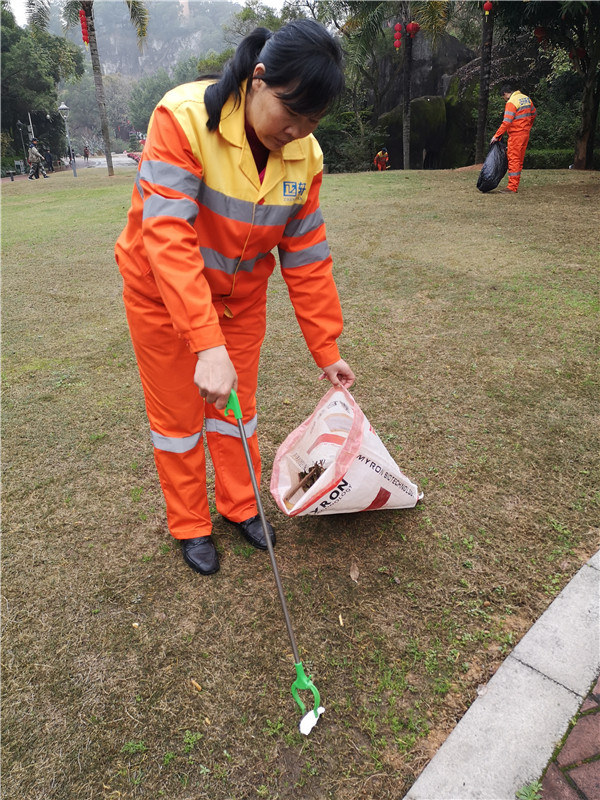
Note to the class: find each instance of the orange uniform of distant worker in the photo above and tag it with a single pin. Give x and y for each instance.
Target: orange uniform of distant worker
(519, 116)
(381, 160)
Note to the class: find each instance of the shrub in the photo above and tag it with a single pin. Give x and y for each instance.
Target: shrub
(119, 145)
(558, 158)
(348, 146)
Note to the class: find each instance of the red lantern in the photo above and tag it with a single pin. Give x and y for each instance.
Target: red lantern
(540, 34)
(487, 7)
(84, 27)
(398, 27)
(413, 28)
(397, 43)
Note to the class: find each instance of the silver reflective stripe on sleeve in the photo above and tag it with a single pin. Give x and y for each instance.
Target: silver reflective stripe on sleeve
(171, 177)
(174, 444)
(227, 429)
(298, 227)
(318, 252)
(157, 206)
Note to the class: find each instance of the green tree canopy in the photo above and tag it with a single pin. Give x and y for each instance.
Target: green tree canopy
(146, 95)
(33, 64)
(574, 28)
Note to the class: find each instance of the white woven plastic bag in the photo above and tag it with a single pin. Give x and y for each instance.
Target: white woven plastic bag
(334, 463)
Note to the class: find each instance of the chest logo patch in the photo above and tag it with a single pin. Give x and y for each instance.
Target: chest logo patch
(293, 190)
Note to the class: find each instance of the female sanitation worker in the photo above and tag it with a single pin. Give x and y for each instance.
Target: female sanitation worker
(229, 171)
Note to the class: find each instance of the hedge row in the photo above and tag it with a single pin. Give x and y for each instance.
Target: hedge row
(553, 159)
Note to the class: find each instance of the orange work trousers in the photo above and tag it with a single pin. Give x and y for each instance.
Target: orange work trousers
(517, 145)
(177, 416)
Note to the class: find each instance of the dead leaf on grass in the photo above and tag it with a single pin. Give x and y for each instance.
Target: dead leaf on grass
(354, 572)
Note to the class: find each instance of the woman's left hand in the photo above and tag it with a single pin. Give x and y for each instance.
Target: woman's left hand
(339, 374)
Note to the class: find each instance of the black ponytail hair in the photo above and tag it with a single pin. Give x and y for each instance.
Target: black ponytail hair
(301, 58)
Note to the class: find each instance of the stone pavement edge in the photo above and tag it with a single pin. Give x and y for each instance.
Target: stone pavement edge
(508, 735)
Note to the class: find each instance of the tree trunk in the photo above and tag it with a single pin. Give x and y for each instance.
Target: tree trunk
(485, 69)
(406, 102)
(584, 146)
(97, 70)
(590, 148)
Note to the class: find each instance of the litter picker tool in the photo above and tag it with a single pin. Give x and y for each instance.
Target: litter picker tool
(310, 718)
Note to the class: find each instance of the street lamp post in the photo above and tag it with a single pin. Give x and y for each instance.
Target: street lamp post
(63, 110)
(20, 126)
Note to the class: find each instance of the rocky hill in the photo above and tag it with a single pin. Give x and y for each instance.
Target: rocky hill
(176, 31)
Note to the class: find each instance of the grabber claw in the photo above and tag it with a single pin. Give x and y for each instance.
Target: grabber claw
(309, 719)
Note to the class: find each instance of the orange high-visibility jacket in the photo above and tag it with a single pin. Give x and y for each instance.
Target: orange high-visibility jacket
(201, 226)
(519, 115)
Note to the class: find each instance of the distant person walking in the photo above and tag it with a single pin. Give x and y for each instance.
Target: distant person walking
(36, 161)
(519, 116)
(48, 160)
(86, 153)
(381, 160)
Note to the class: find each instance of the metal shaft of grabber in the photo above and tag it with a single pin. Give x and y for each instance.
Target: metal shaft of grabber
(263, 520)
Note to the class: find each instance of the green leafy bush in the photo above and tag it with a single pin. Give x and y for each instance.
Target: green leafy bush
(348, 142)
(557, 158)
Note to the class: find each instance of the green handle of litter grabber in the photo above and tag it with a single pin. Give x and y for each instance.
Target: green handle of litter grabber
(233, 404)
(302, 682)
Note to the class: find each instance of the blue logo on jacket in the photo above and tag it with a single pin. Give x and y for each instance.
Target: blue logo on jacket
(293, 190)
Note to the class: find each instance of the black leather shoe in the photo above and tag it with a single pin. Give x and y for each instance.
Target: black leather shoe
(200, 554)
(252, 530)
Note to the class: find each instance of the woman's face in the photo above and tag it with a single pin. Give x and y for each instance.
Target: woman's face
(274, 123)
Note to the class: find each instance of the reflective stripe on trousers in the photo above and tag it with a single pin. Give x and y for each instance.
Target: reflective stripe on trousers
(517, 145)
(176, 413)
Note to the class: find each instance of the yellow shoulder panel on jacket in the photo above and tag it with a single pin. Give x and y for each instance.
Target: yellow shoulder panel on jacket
(225, 156)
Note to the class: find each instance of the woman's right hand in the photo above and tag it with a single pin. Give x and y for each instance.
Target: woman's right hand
(215, 375)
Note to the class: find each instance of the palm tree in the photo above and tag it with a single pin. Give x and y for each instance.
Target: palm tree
(432, 18)
(38, 14)
(366, 21)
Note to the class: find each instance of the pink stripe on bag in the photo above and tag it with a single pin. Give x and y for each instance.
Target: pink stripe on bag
(327, 437)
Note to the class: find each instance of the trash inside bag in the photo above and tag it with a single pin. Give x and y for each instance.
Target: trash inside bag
(494, 167)
(334, 463)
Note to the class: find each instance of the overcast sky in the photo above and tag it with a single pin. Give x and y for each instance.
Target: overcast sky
(18, 7)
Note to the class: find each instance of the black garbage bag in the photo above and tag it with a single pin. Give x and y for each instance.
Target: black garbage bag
(494, 167)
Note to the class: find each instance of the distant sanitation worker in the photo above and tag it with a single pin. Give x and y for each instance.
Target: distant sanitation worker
(519, 116)
(381, 160)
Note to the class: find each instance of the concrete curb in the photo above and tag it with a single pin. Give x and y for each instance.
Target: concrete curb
(508, 735)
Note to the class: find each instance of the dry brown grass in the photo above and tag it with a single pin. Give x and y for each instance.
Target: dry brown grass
(472, 324)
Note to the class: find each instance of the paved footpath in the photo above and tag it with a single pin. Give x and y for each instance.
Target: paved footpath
(574, 772)
(509, 735)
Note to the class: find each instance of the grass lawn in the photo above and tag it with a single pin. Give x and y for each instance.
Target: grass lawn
(472, 326)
